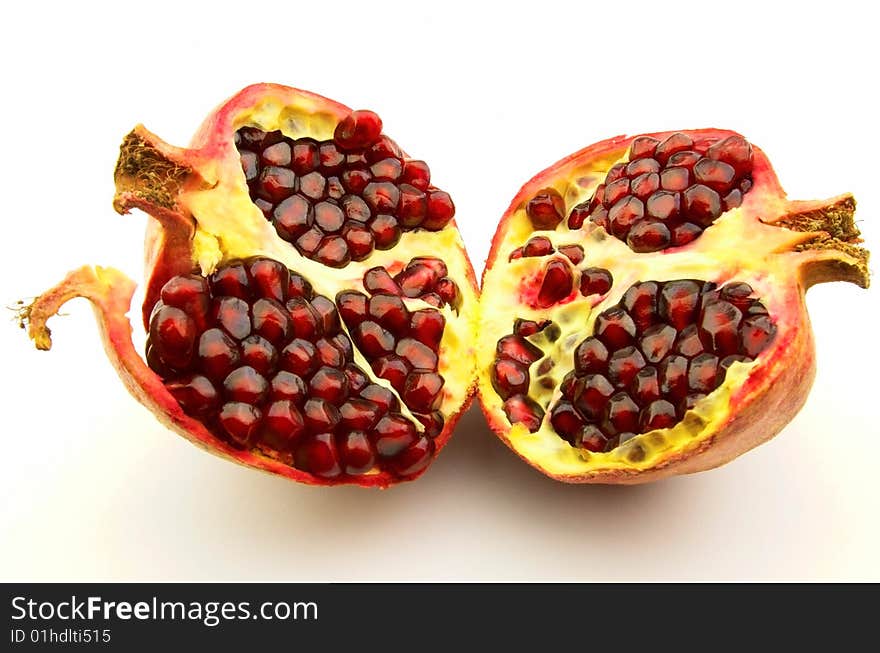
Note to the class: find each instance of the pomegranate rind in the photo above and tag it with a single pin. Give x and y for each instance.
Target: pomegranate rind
(780, 254)
(204, 216)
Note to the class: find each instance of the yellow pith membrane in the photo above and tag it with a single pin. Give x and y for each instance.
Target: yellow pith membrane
(743, 245)
(202, 206)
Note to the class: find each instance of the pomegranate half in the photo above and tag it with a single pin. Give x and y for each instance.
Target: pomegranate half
(309, 305)
(643, 307)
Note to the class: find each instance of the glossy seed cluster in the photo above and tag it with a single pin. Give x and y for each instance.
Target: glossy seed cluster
(424, 277)
(403, 345)
(263, 362)
(654, 355)
(670, 191)
(541, 246)
(338, 200)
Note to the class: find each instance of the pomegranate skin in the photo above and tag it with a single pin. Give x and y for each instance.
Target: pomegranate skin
(780, 247)
(186, 191)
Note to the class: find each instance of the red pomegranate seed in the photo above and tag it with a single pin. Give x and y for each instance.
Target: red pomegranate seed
(416, 173)
(591, 356)
(305, 156)
(538, 246)
(414, 458)
(299, 357)
(756, 333)
(195, 394)
(673, 144)
(621, 414)
(566, 421)
(688, 342)
(352, 307)
(615, 328)
(640, 301)
(592, 439)
(283, 426)
(645, 184)
(231, 281)
(285, 385)
(218, 354)
(241, 421)
(359, 414)
(590, 394)
(672, 373)
(579, 215)
(372, 339)
(333, 252)
(329, 353)
(516, 347)
(388, 169)
(259, 353)
(440, 210)
(719, 324)
(658, 414)
(595, 281)
(385, 231)
(648, 236)
(735, 151)
(233, 314)
(714, 174)
(357, 378)
(320, 415)
(304, 321)
(276, 184)
(556, 284)
(392, 434)
(269, 279)
(390, 312)
(381, 196)
(309, 241)
(245, 384)
(173, 334)
(701, 204)
(640, 167)
(521, 409)
(318, 455)
(328, 216)
(674, 179)
(189, 293)
(356, 453)
(732, 200)
(574, 253)
(271, 320)
(643, 147)
(384, 148)
(624, 214)
(685, 233)
(330, 158)
(413, 206)
(415, 280)
(663, 205)
(377, 280)
(426, 326)
(509, 378)
(250, 165)
(421, 391)
(615, 191)
(623, 365)
(357, 130)
(686, 159)
(382, 397)
(545, 209)
(645, 387)
(433, 423)
(326, 314)
(702, 373)
(679, 302)
(330, 384)
(355, 180)
(419, 355)
(393, 369)
(656, 342)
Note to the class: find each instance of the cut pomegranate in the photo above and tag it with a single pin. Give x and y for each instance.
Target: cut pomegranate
(678, 352)
(262, 345)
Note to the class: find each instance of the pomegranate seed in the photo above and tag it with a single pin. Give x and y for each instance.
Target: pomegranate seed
(299, 287)
(356, 453)
(426, 326)
(556, 284)
(591, 356)
(359, 414)
(358, 239)
(326, 314)
(276, 155)
(674, 179)
(304, 322)
(383, 148)
(521, 409)
(357, 130)
(538, 246)
(433, 423)
(509, 378)
(648, 236)
(686, 159)
(624, 214)
(189, 293)
(420, 356)
(719, 325)
(271, 320)
(414, 458)
(382, 397)
(421, 391)
(679, 302)
(615, 328)
(258, 353)
(333, 252)
(685, 233)
(231, 281)
(330, 384)
(591, 393)
(173, 334)
(357, 378)
(415, 280)
(328, 216)
(448, 291)
(246, 385)
(714, 174)
(673, 376)
(640, 301)
(702, 373)
(352, 307)
(393, 369)
(574, 253)
(595, 281)
(735, 151)
(656, 342)
(621, 414)
(377, 280)
(233, 314)
(757, 332)
(299, 357)
(388, 169)
(285, 385)
(320, 415)
(579, 215)
(218, 354)
(673, 144)
(701, 204)
(658, 414)
(592, 439)
(269, 279)
(381, 196)
(309, 241)
(643, 147)
(276, 184)
(372, 339)
(688, 342)
(517, 348)
(640, 167)
(355, 180)
(645, 387)
(545, 209)
(330, 158)
(241, 421)
(392, 434)
(440, 210)
(385, 231)
(390, 312)
(623, 365)
(645, 184)
(566, 421)
(318, 455)
(615, 191)
(416, 173)
(413, 206)
(195, 394)
(250, 165)
(283, 426)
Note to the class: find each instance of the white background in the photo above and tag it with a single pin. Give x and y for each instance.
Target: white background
(92, 487)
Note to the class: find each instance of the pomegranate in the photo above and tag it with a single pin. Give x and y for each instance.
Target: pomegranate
(308, 305)
(643, 307)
